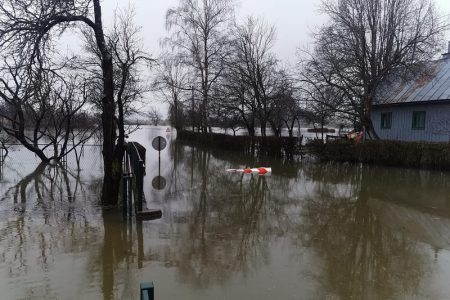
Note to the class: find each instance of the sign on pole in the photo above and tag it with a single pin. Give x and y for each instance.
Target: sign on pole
(159, 183)
(159, 143)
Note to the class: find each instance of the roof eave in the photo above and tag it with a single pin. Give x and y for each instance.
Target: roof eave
(412, 103)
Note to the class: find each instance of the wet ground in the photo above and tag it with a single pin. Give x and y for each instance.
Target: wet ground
(308, 231)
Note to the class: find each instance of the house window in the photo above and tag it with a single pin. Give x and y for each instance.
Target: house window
(418, 120)
(386, 120)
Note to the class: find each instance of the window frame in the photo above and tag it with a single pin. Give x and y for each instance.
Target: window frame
(416, 118)
(383, 124)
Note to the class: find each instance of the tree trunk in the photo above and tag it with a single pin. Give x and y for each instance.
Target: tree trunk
(175, 108)
(367, 121)
(112, 161)
(370, 130)
(322, 121)
(251, 130)
(263, 128)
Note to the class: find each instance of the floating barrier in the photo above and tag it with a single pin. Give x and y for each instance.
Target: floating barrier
(259, 171)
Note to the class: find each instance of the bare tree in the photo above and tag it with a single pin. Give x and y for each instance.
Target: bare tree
(154, 116)
(365, 41)
(199, 37)
(237, 97)
(31, 28)
(229, 119)
(41, 108)
(254, 66)
(285, 109)
(173, 83)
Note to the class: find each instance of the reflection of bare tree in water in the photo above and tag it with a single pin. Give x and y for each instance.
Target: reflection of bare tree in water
(47, 221)
(362, 258)
(52, 191)
(117, 248)
(49, 185)
(176, 154)
(225, 226)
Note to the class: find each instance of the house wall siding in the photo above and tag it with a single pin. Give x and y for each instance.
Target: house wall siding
(437, 123)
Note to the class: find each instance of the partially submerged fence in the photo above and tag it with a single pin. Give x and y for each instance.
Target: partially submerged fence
(133, 177)
(133, 183)
(253, 145)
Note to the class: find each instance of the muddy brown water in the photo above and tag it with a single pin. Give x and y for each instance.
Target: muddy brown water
(308, 231)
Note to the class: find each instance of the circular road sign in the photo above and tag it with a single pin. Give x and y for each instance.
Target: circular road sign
(159, 143)
(159, 183)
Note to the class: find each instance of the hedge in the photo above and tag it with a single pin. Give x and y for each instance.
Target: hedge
(424, 155)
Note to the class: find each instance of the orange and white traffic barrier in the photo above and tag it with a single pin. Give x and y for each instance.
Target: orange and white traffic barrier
(259, 171)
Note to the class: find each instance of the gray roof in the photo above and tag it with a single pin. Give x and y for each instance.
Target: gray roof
(431, 84)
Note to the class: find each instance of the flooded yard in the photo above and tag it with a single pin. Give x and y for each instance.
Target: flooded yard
(308, 231)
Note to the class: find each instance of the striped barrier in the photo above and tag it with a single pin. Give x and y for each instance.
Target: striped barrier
(259, 171)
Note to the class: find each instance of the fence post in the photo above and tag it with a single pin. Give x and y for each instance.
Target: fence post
(139, 184)
(124, 195)
(1, 162)
(130, 194)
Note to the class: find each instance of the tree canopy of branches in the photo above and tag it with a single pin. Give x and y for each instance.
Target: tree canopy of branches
(253, 84)
(198, 36)
(173, 84)
(362, 44)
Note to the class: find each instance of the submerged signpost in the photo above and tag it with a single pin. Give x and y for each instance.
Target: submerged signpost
(159, 143)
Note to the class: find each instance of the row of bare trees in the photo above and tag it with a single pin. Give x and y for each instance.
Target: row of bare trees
(217, 72)
(221, 72)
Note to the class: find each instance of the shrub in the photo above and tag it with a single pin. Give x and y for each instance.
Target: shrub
(390, 153)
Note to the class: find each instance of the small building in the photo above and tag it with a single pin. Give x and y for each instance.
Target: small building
(417, 109)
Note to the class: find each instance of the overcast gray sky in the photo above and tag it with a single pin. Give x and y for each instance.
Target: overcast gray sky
(294, 20)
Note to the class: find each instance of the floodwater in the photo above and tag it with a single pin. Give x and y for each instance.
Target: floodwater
(308, 231)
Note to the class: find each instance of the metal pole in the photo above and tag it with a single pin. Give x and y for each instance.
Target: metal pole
(140, 240)
(130, 195)
(139, 184)
(1, 163)
(124, 196)
(124, 186)
(130, 187)
(159, 157)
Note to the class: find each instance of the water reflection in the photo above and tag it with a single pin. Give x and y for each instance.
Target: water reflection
(362, 258)
(222, 230)
(306, 232)
(47, 189)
